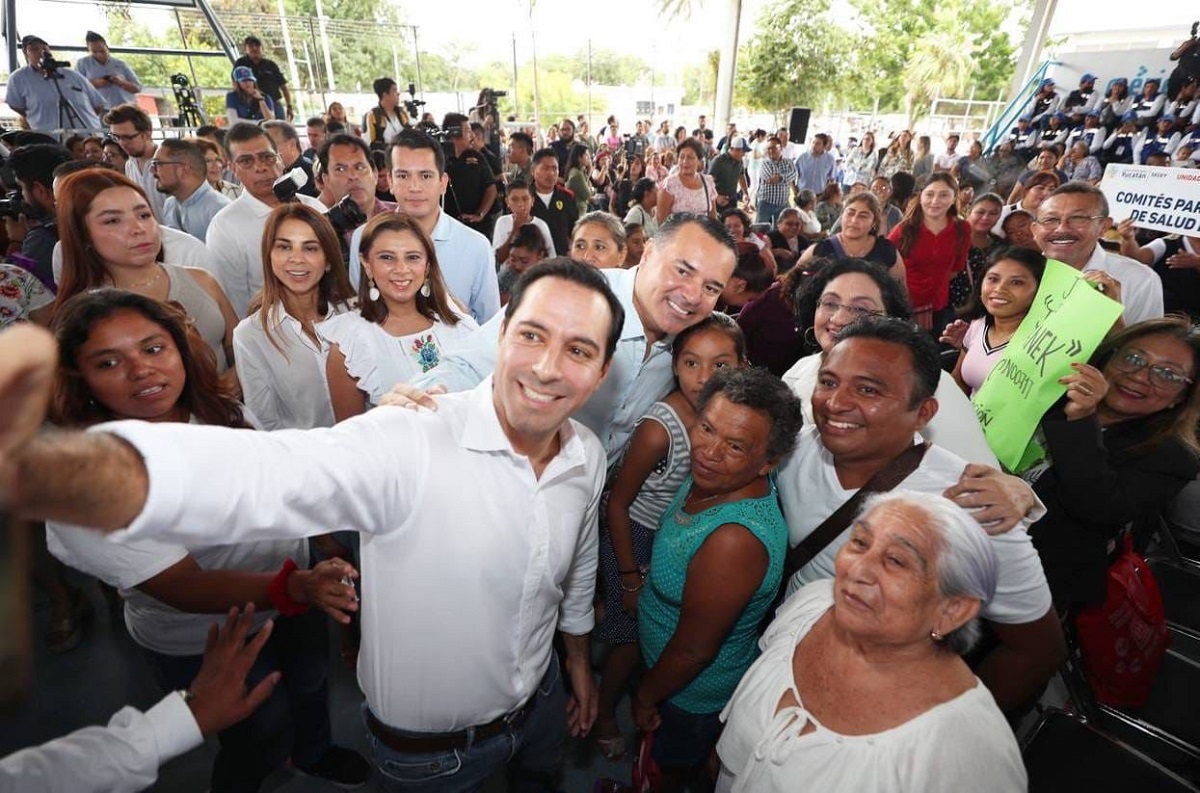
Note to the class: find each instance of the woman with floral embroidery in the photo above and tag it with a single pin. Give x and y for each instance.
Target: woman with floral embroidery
(23, 297)
(406, 320)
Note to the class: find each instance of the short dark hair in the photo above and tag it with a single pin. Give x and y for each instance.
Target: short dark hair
(753, 270)
(243, 132)
(519, 183)
(189, 153)
(718, 321)
(763, 393)
(63, 170)
(93, 36)
(36, 162)
(206, 130)
(342, 139)
(711, 227)
(523, 138)
(643, 186)
(577, 273)
(334, 126)
(804, 294)
(132, 114)
(691, 143)
(1031, 260)
(252, 39)
(285, 127)
(927, 369)
(315, 121)
(382, 85)
(542, 154)
(417, 140)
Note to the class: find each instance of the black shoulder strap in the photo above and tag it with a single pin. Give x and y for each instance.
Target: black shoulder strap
(884, 480)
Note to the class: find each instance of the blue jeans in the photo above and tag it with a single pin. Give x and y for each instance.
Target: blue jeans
(767, 212)
(293, 722)
(532, 752)
(684, 739)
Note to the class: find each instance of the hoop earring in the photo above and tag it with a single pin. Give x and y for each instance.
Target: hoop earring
(810, 337)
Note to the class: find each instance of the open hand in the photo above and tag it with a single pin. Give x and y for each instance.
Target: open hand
(1086, 388)
(998, 501)
(954, 334)
(219, 695)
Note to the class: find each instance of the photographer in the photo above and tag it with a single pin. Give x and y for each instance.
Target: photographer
(385, 121)
(345, 170)
(110, 76)
(471, 198)
(34, 167)
(49, 95)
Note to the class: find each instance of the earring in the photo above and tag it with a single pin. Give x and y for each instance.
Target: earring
(937, 637)
(425, 290)
(373, 292)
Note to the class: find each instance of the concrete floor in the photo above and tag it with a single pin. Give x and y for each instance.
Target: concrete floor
(106, 671)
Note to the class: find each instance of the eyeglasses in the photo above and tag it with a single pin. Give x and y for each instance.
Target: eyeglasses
(126, 138)
(360, 168)
(832, 308)
(1073, 221)
(1163, 378)
(262, 158)
(156, 164)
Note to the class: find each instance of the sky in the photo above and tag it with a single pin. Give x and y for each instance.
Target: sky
(481, 31)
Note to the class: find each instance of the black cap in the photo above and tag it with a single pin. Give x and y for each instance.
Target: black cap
(252, 40)
(28, 40)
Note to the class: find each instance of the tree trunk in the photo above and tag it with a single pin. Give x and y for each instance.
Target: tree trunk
(728, 66)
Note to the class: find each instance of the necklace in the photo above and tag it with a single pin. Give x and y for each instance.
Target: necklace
(684, 518)
(147, 282)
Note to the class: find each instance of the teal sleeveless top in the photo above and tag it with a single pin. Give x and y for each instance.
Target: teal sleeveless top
(679, 537)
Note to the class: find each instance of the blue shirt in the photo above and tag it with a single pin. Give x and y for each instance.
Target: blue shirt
(815, 172)
(634, 382)
(194, 213)
(33, 94)
(468, 268)
(114, 94)
(248, 110)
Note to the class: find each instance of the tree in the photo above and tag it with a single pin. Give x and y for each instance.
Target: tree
(727, 67)
(798, 57)
(940, 64)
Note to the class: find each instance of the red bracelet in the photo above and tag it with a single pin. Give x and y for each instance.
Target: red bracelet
(277, 591)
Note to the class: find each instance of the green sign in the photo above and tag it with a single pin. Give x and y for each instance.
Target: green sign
(1065, 324)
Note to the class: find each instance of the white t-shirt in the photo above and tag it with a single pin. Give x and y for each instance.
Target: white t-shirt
(504, 228)
(962, 744)
(809, 492)
(953, 427)
(379, 360)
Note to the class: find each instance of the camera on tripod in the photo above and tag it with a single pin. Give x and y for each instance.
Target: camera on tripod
(412, 105)
(488, 96)
(50, 66)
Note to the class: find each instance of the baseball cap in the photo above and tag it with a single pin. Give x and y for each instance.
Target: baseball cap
(25, 42)
(1025, 117)
(1167, 117)
(1048, 82)
(1088, 78)
(739, 143)
(252, 40)
(1094, 114)
(243, 73)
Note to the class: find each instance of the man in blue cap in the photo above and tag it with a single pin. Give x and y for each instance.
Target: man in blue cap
(1045, 104)
(1023, 137)
(1160, 140)
(1056, 131)
(1149, 105)
(1082, 100)
(1090, 133)
(1119, 146)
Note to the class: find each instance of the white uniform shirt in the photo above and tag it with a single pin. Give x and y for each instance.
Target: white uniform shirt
(235, 246)
(809, 492)
(1141, 288)
(953, 427)
(121, 758)
(286, 390)
(469, 562)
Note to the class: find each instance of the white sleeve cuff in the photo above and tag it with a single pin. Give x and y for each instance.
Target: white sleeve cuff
(175, 729)
(166, 470)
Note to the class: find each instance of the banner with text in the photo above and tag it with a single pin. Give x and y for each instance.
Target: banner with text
(1162, 199)
(1065, 325)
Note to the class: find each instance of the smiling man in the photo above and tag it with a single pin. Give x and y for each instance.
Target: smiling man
(457, 662)
(683, 272)
(874, 393)
(1068, 227)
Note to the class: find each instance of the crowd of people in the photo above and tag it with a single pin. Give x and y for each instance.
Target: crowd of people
(679, 397)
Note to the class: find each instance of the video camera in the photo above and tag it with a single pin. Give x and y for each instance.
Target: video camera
(345, 216)
(12, 205)
(412, 105)
(49, 65)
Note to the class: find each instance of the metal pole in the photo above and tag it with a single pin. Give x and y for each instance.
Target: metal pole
(589, 81)
(287, 46)
(312, 35)
(417, 54)
(183, 41)
(395, 62)
(321, 19)
(515, 96)
(1031, 50)
(10, 34)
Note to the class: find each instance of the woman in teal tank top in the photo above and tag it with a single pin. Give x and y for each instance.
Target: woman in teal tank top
(715, 569)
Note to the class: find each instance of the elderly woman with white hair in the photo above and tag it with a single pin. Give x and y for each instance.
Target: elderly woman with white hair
(860, 685)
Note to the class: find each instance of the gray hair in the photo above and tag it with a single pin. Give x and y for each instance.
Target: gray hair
(612, 224)
(966, 563)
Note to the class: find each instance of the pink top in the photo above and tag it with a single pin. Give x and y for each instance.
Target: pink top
(981, 357)
(697, 202)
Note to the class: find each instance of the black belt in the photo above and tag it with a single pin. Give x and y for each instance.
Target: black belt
(428, 743)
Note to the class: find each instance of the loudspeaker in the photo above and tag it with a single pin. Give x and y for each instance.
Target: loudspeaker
(798, 124)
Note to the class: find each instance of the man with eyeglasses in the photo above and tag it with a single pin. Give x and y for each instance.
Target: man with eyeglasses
(1068, 227)
(130, 125)
(234, 237)
(33, 92)
(344, 168)
(181, 174)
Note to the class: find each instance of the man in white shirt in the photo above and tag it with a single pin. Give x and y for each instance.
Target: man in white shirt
(874, 393)
(463, 589)
(944, 162)
(1068, 227)
(130, 125)
(464, 255)
(235, 234)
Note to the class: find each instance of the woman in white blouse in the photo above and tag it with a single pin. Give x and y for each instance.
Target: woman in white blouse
(406, 320)
(689, 189)
(280, 352)
(860, 685)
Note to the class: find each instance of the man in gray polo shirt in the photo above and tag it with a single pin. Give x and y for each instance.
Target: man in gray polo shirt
(33, 92)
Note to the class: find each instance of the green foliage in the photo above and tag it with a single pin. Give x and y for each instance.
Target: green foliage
(700, 80)
(798, 57)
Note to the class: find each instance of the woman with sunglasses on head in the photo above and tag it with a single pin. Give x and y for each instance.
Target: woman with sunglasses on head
(1119, 446)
